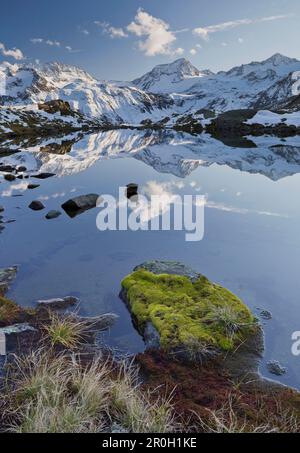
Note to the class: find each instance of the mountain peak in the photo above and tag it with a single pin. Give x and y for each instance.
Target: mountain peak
(168, 73)
(278, 59)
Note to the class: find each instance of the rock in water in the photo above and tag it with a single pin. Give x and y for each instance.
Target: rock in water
(265, 314)
(58, 303)
(274, 367)
(78, 205)
(36, 205)
(33, 186)
(1, 208)
(131, 190)
(184, 313)
(52, 215)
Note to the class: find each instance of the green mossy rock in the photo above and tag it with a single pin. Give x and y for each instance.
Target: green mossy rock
(187, 311)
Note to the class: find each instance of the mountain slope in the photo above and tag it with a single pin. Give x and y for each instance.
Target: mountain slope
(171, 89)
(244, 86)
(106, 100)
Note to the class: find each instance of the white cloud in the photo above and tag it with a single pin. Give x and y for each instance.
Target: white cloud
(36, 40)
(205, 32)
(113, 32)
(53, 43)
(193, 51)
(179, 51)
(49, 42)
(84, 31)
(224, 44)
(158, 38)
(15, 53)
(240, 40)
(198, 46)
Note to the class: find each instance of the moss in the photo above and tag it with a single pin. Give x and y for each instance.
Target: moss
(9, 311)
(182, 310)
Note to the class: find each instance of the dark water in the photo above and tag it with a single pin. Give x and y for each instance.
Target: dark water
(251, 243)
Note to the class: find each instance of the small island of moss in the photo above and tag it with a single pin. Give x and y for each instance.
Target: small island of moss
(188, 313)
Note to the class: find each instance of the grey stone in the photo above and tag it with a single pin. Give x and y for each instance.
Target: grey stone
(36, 205)
(79, 204)
(101, 322)
(131, 190)
(52, 215)
(58, 303)
(274, 367)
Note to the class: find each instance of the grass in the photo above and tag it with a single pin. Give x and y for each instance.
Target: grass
(186, 312)
(65, 331)
(56, 394)
(228, 419)
(9, 311)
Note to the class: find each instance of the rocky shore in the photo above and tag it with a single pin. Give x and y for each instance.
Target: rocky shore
(56, 119)
(202, 349)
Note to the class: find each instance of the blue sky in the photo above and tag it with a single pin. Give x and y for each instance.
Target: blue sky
(122, 39)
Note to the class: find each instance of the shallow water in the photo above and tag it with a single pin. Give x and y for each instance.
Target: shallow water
(251, 243)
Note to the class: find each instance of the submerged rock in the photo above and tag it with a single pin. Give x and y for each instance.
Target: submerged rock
(98, 323)
(52, 215)
(1, 208)
(58, 303)
(169, 267)
(80, 204)
(36, 205)
(181, 311)
(265, 314)
(274, 367)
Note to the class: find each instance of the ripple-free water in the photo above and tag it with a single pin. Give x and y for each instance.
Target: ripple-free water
(251, 243)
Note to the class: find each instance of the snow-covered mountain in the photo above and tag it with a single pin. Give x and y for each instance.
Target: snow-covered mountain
(164, 77)
(254, 84)
(97, 99)
(175, 88)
